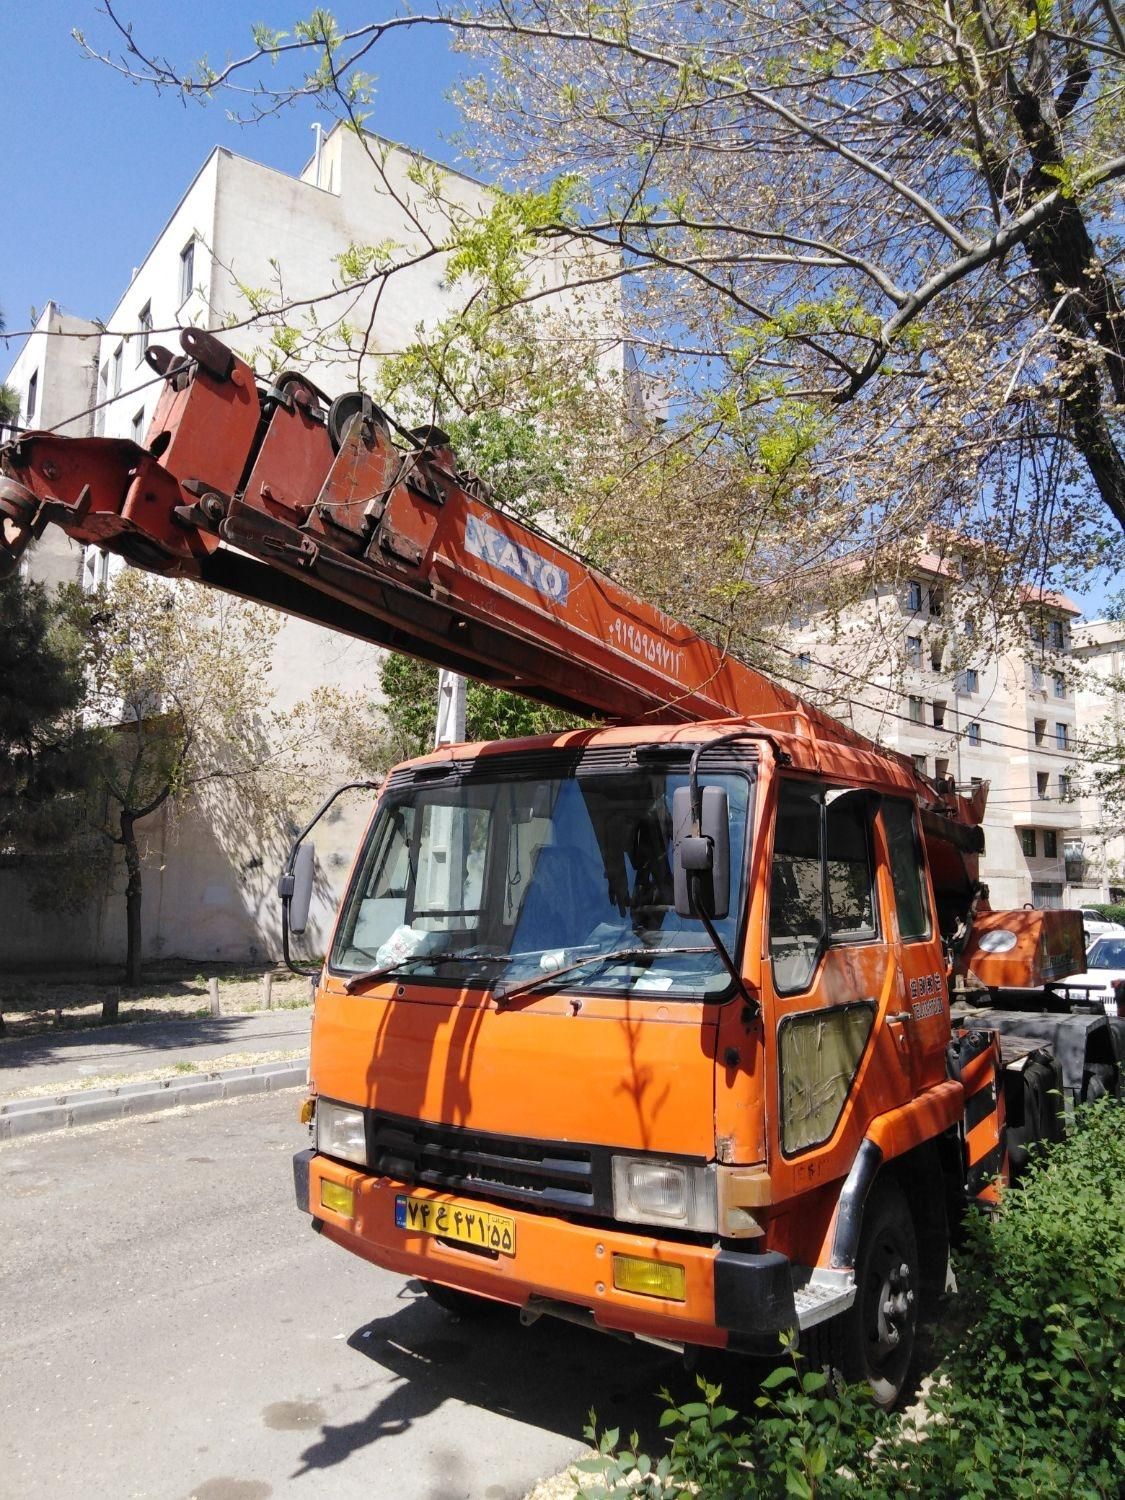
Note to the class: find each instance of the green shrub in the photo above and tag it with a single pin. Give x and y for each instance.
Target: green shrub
(1030, 1399)
(1110, 913)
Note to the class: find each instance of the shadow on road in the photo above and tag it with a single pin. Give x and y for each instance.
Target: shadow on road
(548, 1376)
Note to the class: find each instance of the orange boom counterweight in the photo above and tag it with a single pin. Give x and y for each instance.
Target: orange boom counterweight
(694, 1027)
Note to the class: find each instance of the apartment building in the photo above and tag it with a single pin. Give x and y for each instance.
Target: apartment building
(56, 376)
(243, 238)
(1096, 855)
(916, 666)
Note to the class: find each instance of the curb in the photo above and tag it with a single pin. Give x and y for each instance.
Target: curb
(145, 1097)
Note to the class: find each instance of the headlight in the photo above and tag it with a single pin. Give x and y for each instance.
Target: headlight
(340, 1132)
(663, 1192)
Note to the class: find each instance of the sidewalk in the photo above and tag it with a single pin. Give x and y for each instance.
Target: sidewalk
(48, 1082)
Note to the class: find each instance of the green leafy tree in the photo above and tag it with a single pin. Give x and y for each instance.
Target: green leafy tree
(178, 705)
(43, 772)
(9, 396)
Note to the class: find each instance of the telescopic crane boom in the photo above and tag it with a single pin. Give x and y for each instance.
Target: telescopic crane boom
(274, 493)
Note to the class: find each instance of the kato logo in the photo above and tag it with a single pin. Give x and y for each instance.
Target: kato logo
(494, 548)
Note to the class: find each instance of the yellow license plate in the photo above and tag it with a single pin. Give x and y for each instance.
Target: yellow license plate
(458, 1222)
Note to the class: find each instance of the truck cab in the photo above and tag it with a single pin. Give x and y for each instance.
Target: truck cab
(538, 1080)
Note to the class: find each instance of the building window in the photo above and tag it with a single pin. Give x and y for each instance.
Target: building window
(145, 321)
(941, 769)
(914, 650)
(804, 659)
(1041, 786)
(936, 654)
(914, 596)
(137, 426)
(937, 603)
(1058, 682)
(115, 380)
(914, 706)
(1064, 786)
(32, 395)
(970, 681)
(1062, 737)
(939, 714)
(1055, 637)
(1050, 844)
(1037, 679)
(974, 734)
(1027, 841)
(1046, 894)
(187, 270)
(970, 628)
(1040, 731)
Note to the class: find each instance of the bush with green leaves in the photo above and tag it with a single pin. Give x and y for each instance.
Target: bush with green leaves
(1028, 1401)
(1111, 913)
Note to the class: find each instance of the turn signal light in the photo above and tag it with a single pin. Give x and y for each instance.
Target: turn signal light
(341, 1200)
(649, 1278)
(308, 1109)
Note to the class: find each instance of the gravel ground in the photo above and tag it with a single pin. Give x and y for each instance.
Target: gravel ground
(72, 1000)
(156, 1074)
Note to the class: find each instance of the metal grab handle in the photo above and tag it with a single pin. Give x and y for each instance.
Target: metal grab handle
(902, 1015)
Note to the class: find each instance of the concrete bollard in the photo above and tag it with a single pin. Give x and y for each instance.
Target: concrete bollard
(213, 991)
(267, 991)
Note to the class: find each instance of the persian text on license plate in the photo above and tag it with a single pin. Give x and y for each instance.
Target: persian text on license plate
(458, 1222)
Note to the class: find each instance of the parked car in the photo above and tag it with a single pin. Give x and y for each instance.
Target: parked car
(1096, 926)
(1104, 976)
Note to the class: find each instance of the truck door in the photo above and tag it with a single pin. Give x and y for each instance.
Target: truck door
(832, 971)
(919, 1021)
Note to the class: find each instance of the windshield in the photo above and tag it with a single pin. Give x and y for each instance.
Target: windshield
(1107, 953)
(515, 877)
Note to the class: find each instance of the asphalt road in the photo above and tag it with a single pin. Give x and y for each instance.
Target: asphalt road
(171, 1327)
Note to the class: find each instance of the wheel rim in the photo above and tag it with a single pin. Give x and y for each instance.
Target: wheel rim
(889, 1297)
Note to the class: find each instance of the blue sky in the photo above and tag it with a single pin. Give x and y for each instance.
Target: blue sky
(94, 165)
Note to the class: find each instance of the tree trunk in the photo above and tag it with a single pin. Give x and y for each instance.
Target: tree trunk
(132, 910)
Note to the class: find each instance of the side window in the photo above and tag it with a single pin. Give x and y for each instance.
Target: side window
(907, 873)
(851, 900)
(821, 884)
(796, 888)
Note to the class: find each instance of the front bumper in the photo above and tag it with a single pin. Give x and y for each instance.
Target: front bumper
(731, 1297)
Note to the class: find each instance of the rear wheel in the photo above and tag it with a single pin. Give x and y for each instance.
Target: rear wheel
(874, 1340)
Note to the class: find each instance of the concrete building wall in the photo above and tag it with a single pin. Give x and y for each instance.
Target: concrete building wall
(209, 881)
(922, 680)
(55, 374)
(1098, 852)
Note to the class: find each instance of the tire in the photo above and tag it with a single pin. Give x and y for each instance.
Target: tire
(460, 1304)
(874, 1340)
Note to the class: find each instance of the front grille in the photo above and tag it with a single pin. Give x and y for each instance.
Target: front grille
(550, 1174)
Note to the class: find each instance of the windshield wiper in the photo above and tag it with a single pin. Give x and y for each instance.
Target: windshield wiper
(502, 993)
(461, 955)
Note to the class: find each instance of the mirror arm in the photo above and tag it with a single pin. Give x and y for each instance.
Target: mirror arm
(723, 739)
(729, 964)
(285, 883)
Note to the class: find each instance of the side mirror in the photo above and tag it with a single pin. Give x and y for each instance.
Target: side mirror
(295, 887)
(701, 860)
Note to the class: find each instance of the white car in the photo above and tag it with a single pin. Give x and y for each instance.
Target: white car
(1096, 926)
(1105, 964)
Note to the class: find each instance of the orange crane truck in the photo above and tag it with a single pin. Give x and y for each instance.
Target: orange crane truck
(686, 1027)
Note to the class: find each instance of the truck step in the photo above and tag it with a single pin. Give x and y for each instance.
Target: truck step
(823, 1295)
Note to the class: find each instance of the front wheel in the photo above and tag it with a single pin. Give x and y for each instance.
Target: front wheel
(874, 1340)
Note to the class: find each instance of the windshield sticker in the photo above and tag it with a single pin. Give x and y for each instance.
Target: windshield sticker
(538, 573)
